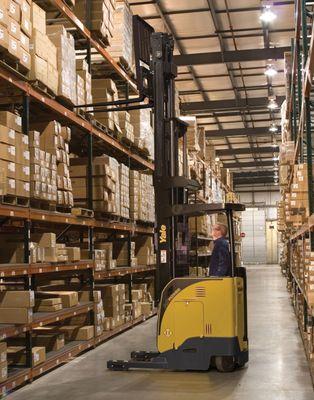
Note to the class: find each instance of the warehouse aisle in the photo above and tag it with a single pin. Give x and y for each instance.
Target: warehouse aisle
(277, 369)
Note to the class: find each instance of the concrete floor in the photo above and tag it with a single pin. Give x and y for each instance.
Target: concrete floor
(277, 368)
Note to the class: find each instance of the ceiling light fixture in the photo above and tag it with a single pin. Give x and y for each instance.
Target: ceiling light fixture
(272, 104)
(270, 71)
(273, 128)
(267, 15)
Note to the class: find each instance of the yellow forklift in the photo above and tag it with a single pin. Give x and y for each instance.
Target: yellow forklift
(201, 321)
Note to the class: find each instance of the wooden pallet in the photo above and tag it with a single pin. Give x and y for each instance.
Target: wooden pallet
(63, 209)
(84, 114)
(100, 126)
(41, 204)
(14, 200)
(41, 87)
(82, 212)
(99, 37)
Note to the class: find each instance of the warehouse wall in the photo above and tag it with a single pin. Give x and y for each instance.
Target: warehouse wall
(260, 244)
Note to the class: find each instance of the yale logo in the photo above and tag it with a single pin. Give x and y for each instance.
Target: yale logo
(163, 234)
(167, 332)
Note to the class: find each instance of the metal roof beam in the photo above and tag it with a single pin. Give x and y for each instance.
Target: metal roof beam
(253, 181)
(260, 131)
(252, 164)
(241, 89)
(255, 174)
(216, 105)
(249, 150)
(231, 56)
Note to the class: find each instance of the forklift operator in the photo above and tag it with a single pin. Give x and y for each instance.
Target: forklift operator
(220, 262)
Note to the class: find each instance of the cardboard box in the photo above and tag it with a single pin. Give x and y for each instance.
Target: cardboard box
(51, 308)
(69, 299)
(25, 59)
(14, 48)
(17, 355)
(48, 240)
(14, 10)
(4, 38)
(38, 18)
(16, 315)
(15, 299)
(22, 189)
(51, 342)
(49, 302)
(77, 333)
(7, 135)
(22, 172)
(3, 371)
(73, 253)
(14, 29)
(3, 352)
(11, 120)
(4, 13)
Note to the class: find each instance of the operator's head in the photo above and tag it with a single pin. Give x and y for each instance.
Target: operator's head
(219, 230)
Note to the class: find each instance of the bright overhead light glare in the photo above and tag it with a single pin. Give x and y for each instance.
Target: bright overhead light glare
(272, 105)
(275, 158)
(273, 128)
(270, 71)
(267, 15)
(274, 145)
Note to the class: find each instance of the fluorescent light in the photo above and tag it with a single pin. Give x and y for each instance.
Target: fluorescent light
(272, 105)
(273, 128)
(270, 71)
(267, 15)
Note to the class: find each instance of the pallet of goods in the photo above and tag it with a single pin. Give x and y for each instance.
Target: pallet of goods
(14, 161)
(121, 46)
(102, 18)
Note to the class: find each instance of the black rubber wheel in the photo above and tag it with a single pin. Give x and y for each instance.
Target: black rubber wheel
(225, 363)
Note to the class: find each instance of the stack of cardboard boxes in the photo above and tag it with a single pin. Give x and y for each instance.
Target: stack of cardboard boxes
(17, 355)
(142, 303)
(102, 14)
(124, 179)
(105, 90)
(55, 139)
(297, 201)
(103, 257)
(142, 200)
(15, 31)
(121, 254)
(113, 297)
(16, 307)
(84, 84)
(66, 62)
(43, 171)
(105, 183)
(121, 47)
(3, 362)
(126, 127)
(43, 52)
(201, 225)
(142, 122)
(14, 157)
(144, 250)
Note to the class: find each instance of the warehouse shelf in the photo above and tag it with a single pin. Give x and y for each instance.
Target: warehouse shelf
(13, 270)
(16, 378)
(10, 330)
(56, 358)
(19, 376)
(109, 334)
(64, 114)
(122, 271)
(43, 216)
(43, 268)
(45, 318)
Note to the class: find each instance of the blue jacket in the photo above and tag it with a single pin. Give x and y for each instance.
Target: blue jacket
(220, 262)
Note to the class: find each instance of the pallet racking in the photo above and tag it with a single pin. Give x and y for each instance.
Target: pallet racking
(34, 103)
(299, 115)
